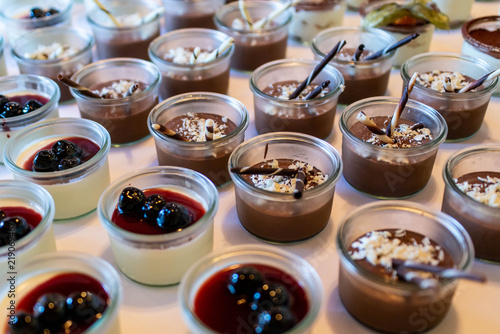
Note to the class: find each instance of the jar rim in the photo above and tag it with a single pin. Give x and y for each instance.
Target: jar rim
(476, 43)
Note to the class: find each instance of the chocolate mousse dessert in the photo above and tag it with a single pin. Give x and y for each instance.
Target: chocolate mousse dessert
(189, 19)
(16, 222)
(487, 36)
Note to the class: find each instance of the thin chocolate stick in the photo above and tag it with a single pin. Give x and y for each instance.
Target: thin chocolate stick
(317, 70)
(401, 105)
(363, 118)
(447, 85)
(194, 55)
(168, 132)
(265, 150)
(209, 129)
(105, 10)
(417, 126)
(358, 52)
(131, 90)
(392, 47)
(412, 277)
(274, 14)
(220, 50)
(299, 184)
(245, 14)
(442, 272)
(317, 90)
(264, 171)
(83, 90)
(480, 81)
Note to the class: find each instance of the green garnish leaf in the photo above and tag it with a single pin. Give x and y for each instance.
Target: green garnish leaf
(426, 13)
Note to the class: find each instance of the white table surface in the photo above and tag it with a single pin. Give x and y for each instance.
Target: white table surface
(475, 307)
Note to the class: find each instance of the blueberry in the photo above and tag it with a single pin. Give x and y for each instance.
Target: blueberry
(2, 214)
(68, 162)
(22, 227)
(37, 13)
(31, 105)
(270, 295)
(45, 161)
(131, 200)
(3, 100)
(85, 307)
(52, 11)
(152, 206)
(244, 281)
(173, 216)
(24, 323)
(11, 109)
(274, 321)
(64, 148)
(50, 309)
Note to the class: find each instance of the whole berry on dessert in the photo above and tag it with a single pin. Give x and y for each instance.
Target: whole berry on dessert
(173, 216)
(65, 148)
(131, 200)
(2, 214)
(270, 295)
(31, 105)
(24, 323)
(85, 307)
(22, 227)
(36, 13)
(68, 162)
(50, 309)
(275, 321)
(152, 206)
(244, 281)
(3, 100)
(51, 11)
(11, 109)
(45, 161)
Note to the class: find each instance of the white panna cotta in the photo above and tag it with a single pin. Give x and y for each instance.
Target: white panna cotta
(457, 12)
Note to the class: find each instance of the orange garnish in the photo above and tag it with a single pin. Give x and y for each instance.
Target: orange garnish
(406, 21)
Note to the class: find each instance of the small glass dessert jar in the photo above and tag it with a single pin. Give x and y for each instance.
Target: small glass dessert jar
(75, 190)
(68, 50)
(481, 40)
(3, 68)
(363, 78)
(195, 151)
(181, 14)
(63, 277)
(36, 206)
(254, 47)
(286, 274)
(160, 259)
(391, 305)
(275, 112)
(309, 17)
(267, 206)
(19, 18)
(125, 117)
(471, 196)
(463, 112)
(457, 14)
(354, 4)
(169, 52)
(390, 172)
(139, 25)
(22, 88)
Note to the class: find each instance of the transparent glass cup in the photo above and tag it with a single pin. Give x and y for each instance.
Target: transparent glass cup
(457, 14)
(241, 255)
(385, 172)
(44, 267)
(463, 112)
(128, 40)
(210, 158)
(51, 68)
(16, 16)
(279, 217)
(314, 117)
(16, 193)
(33, 85)
(124, 118)
(354, 4)
(255, 47)
(3, 68)
(181, 14)
(160, 259)
(394, 306)
(481, 221)
(362, 78)
(212, 76)
(75, 190)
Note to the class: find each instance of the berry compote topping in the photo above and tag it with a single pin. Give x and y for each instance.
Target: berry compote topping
(62, 154)
(20, 104)
(66, 303)
(155, 211)
(16, 222)
(254, 298)
(38, 13)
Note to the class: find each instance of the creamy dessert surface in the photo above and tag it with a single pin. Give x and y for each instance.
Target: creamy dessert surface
(182, 55)
(52, 51)
(486, 190)
(117, 89)
(193, 127)
(436, 80)
(284, 89)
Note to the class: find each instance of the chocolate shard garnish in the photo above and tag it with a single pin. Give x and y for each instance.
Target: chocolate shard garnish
(245, 14)
(274, 14)
(417, 126)
(105, 10)
(410, 276)
(447, 85)
(220, 50)
(358, 52)
(401, 105)
(363, 118)
(392, 47)
(131, 90)
(299, 184)
(194, 55)
(317, 90)
(480, 81)
(266, 149)
(441, 272)
(209, 129)
(83, 90)
(264, 171)
(168, 132)
(317, 70)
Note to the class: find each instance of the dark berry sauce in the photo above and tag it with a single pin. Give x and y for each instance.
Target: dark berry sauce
(136, 224)
(218, 309)
(89, 150)
(22, 99)
(31, 216)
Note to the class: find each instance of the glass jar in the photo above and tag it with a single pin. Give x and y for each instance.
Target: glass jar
(181, 14)
(3, 68)
(457, 14)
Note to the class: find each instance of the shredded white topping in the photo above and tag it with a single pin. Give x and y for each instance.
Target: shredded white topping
(404, 137)
(52, 51)
(181, 55)
(193, 128)
(436, 81)
(486, 191)
(347, 56)
(130, 20)
(287, 89)
(116, 90)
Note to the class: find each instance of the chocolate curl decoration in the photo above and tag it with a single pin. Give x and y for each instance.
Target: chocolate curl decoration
(417, 126)
(245, 14)
(317, 70)
(151, 16)
(299, 184)
(220, 50)
(266, 149)
(264, 171)
(168, 132)
(358, 52)
(374, 128)
(441, 272)
(447, 85)
(480, 81)
(392, 47)
(105, 10)
(83, 90)
(209, 129)
(317, 90)
(194, 55)
(131, 90)
(401, 105)
(274, 14)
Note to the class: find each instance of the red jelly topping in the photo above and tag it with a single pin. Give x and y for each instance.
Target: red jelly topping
(32, 217)
(22, 99)
(136, 224)
(218, 309)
